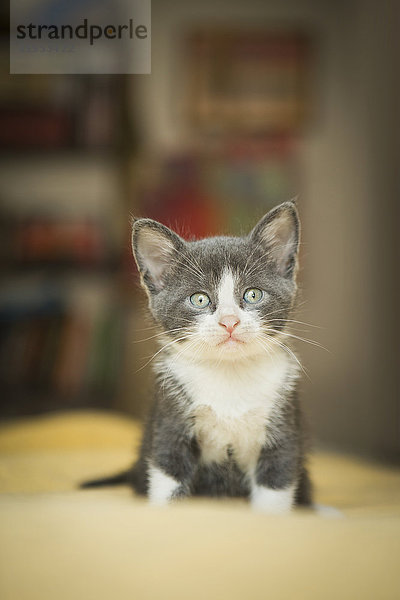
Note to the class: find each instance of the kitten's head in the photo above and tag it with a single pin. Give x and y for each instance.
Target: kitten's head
(221, 298)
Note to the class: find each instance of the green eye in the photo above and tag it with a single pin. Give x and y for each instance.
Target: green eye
(253, 295)
(200, 300)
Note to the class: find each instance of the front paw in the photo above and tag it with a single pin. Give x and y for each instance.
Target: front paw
(270, 501)
(162, 487)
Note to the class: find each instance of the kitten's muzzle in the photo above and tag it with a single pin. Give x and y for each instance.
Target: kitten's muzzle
(229, 322)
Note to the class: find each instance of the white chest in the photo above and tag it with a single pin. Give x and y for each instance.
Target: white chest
(231, 405)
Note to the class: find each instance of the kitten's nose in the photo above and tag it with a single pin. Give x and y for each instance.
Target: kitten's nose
(229, 322)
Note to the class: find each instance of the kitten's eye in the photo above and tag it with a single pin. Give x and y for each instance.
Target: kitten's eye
(200, 300)
(253, 295)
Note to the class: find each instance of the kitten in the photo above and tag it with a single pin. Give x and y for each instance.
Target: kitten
(226, 419)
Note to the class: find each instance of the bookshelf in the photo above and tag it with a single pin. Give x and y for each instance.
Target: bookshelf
(64, 207)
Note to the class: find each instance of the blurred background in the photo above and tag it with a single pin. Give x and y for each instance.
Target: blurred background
(248, 104)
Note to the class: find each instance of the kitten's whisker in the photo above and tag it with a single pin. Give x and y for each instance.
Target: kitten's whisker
(263, 343)
(191, 270)
(277, 310)
(301, 339)
(161, 349)
(193, 358)
(273, 340)
(293, 309)
(175, 358)
(286, 348)
(194, 264)
(160, 334)
(201, 347)
(183, 319)
(294, 321)
(255, 265)
(255, 249)
(146, 328)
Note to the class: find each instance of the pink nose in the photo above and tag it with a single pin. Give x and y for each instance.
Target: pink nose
(229, 322)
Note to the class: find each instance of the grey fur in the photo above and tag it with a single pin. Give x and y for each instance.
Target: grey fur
(171, 270)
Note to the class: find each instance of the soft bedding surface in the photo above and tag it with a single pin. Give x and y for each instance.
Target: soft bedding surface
(60, 542)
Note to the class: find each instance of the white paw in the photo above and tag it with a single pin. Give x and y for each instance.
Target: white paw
(161, 486)
(276, 502)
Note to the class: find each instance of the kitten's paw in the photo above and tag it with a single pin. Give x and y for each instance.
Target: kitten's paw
(162, 487)
(270, 501)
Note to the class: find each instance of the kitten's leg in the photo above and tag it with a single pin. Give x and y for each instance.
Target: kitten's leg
(274, 483)
(171, 468)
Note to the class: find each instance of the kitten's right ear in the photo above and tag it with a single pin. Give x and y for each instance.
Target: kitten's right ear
(154, 247)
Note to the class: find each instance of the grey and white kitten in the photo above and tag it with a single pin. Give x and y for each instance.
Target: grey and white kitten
(226, 419)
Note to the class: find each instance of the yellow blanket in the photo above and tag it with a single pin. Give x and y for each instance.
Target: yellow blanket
(58, 542)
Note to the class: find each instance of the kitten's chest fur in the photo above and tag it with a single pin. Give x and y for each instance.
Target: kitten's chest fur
(231, 405)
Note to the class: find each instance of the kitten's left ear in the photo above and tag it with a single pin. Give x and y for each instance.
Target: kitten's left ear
(279, 233)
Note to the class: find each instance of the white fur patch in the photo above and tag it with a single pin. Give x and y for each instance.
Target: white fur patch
(232, 402)
(226, 299)
(272, 501)
(161, 486)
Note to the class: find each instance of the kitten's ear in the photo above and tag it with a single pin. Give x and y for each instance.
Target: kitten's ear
(154, 247)
(279, 233)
